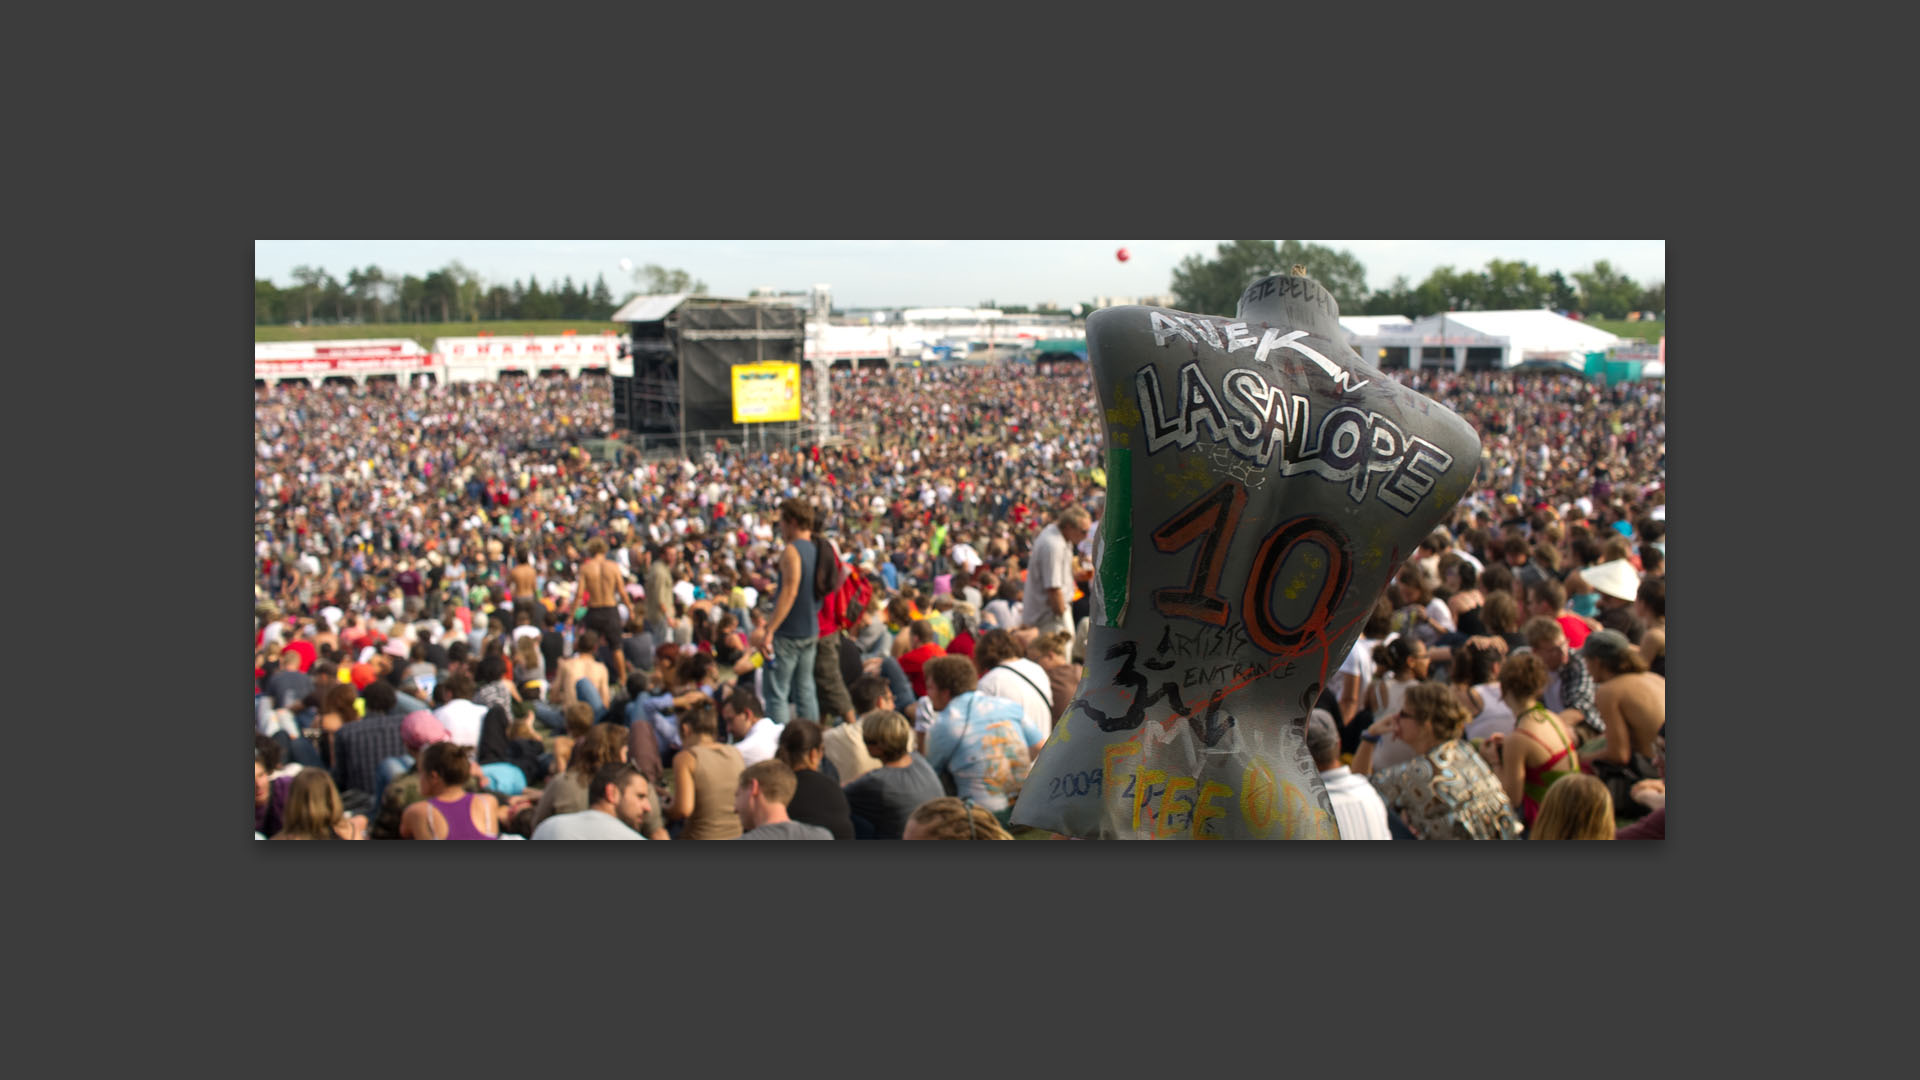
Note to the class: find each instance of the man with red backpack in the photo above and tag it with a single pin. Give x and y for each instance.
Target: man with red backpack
(848, 594)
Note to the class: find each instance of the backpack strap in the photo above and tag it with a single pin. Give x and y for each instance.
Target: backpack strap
(1044, 694)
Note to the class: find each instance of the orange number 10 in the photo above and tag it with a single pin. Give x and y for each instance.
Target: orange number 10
(1211, 520)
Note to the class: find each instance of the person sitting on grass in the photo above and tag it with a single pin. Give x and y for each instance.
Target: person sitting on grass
(1577, 808)
(881, 800)
(314, 811)
(448, 811)
(617, 808)
(1540, 751)
(761, 801)
(1446, 792)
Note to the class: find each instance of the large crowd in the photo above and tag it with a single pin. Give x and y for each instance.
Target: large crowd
(470, 627)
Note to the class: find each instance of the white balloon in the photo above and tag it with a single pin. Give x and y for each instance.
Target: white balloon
(626, 264)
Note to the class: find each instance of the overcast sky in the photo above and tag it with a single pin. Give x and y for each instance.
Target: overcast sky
(901, 273)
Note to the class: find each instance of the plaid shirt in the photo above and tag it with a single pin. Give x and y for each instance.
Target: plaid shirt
(359, 747)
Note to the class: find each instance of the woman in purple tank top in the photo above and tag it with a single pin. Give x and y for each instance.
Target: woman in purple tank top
(448, 811)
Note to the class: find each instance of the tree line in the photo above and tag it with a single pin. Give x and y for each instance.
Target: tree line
(451, 294)
(1213, 286)
(455, 293)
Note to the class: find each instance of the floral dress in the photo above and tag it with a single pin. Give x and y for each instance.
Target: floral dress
(1449, 793)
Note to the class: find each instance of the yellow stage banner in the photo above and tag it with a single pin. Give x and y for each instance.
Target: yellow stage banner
(766, 393)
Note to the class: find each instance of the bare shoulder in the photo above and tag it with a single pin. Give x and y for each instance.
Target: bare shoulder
(414, 820)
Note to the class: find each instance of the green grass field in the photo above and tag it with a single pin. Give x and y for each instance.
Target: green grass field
(1644, 331)
(426, 333)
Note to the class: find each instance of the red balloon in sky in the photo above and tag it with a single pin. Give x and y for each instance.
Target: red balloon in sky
(1122, 255)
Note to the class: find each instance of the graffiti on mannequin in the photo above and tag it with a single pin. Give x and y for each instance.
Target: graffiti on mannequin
(1251, 467)
(1350, 445)
(1297, 287)
(1167, 802)
(1208, 526)
(1234, 336)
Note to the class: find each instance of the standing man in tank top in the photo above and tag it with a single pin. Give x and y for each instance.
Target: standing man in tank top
(794, 630)
(660, 611)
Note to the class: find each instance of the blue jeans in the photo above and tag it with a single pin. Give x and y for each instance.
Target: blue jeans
(298, 750)
(389, 770)
(584, 690)
(788, 679)
(550, 716)
(646, 709)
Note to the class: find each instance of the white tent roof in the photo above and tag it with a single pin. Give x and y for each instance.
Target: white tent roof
(1533, 331)
(1369, 325)
(277, 350)
(649, 308)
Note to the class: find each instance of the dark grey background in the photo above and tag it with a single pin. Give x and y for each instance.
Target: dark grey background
(158, 924)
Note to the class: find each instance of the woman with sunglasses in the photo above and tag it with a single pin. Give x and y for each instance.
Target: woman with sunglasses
(1446, 792)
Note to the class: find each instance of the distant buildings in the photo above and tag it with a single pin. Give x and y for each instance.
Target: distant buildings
(1164, 300)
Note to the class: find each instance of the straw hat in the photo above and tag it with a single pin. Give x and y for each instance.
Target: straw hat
(1617, 579)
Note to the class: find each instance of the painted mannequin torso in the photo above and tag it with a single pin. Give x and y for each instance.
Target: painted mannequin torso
(1264, 484)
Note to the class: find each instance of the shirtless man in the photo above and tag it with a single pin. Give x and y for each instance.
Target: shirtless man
(583, 665)
(325, 638)
(524, 580)
(600, 589)
(1632, 701)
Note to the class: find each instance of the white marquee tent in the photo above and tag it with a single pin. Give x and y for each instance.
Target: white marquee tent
(1490, 340)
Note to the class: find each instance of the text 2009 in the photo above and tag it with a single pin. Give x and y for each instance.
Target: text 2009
(1075, 784)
